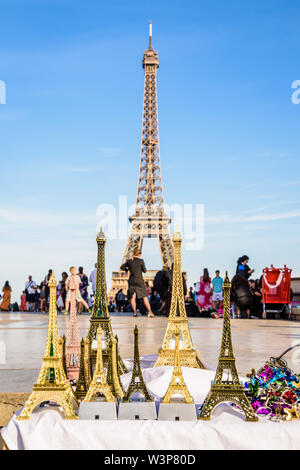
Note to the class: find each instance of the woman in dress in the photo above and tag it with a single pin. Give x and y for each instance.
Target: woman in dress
(204, 292)
(5, 304)
(136, 284)
(23, 302)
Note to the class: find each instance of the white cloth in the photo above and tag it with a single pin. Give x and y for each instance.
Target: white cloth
(92, 279)
(227, 429)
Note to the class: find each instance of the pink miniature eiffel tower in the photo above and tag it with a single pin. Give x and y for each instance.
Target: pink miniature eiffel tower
(73, 345)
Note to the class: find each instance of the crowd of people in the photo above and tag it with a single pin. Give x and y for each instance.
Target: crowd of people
(205, 299)
(35, 296)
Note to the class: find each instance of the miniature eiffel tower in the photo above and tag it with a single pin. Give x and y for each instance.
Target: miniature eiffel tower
(52, 384)
(113, 378)
(227, 389)
(81, 386)
(178, 320)
(99, 384)
(73, 346)
(137, 383)
(87, 361)
(177, 384)
(62, 351)
(100, 315)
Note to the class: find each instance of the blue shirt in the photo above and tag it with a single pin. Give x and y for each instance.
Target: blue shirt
(217, 283)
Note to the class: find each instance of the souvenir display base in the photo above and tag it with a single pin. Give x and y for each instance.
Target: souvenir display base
(226, 430)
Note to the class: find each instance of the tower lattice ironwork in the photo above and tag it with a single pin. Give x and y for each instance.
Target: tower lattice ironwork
(137, 383)
(150, 219)
(100, 315)
(52, 384)
(178, 321)
(227, 386)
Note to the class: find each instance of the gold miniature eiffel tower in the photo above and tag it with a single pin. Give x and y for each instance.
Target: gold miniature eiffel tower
(99, 384)
(62, 352)
(81, 386)
(227, 389)
(178, 320)
(87, 361)
(113, 378)
(177, 384)
(100, 315)
(52, 384)
(137, 383)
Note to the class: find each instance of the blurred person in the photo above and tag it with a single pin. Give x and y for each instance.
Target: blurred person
(30, 290)
(242, 267)
(83, 287)
(136, 284)
(120, 300)
(241, 296)
(42, 296)
(217, 295)
(92, 278)
(76, 278)
(47, 289)
(204, 292)
(23, 302)
(6, 296)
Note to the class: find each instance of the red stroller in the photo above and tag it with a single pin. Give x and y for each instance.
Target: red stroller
(276, 292)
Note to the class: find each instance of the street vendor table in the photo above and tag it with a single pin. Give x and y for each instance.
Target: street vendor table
(227, 429)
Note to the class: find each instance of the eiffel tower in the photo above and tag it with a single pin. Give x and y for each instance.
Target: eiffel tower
(137, 383)
(178, 321)
(81, 385)
(99, 384)
(113, 377)
(177, 384)
(52, 384)
(73, 346)
(100, 315)
(150, 219)
(227, 389)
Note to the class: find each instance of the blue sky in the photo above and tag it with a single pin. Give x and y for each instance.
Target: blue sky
(70, 128)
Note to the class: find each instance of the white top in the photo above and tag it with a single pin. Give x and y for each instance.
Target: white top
(30, 285)
(92, 279)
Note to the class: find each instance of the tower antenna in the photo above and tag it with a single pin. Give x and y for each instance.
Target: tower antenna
(150, 34)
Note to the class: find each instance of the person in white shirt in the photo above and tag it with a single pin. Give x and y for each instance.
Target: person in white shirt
(92, 278)
(30, 290)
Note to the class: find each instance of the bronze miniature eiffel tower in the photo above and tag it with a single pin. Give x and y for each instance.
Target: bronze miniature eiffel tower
(113, 378)
(227, 389)
(177, 384)
(178, 320)
(52, 384)
(137, 383)
(100, 315)
(81, 386)
(150, 219)
(99, 385)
